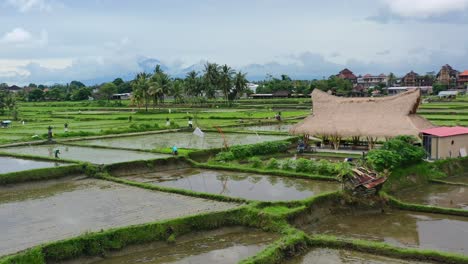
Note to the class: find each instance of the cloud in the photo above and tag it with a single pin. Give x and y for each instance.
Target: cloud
(434, 11)
(425, 8)
(25, 6)
(17, 35)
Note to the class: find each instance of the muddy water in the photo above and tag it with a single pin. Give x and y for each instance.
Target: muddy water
(461, 178)
(276, 128)
(400, 228)
(182, 140)
(235, 184)
(225, 245)
(437, 195)
(93, 155)
(336, 256)
(10, 164)
(35, 213)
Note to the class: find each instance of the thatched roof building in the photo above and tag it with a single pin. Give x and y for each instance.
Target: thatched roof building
(363, 117)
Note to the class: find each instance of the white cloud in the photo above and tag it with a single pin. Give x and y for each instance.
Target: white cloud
(425, 8)
(28, 5)
(17, 35)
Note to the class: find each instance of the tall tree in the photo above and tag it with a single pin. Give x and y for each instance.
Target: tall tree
(240, 85)
(225, 80)
(140, 86)
(159, 85)
(177, 91)
(107, 90)
(211, 79)
(391, 79)
(193, 84)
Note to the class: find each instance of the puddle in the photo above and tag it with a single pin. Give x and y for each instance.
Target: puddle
(10, 164)
(93, 155)
(182, 140)
(461, 178)
(35, 213)
(443, 195)
(276, 128)
(400, 228)
(235, 184)
(338, 256)
(225, 245)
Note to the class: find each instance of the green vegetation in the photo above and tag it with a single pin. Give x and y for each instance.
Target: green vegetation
(244, 151)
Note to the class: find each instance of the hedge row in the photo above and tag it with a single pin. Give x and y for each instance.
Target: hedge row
(42, 174)
(245, 151)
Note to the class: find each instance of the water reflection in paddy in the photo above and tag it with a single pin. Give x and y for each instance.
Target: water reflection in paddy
(436, 194)
(225, 245)
(336, 256)
(10, 164)
(235, 184)
(411, 229)
(182, 140)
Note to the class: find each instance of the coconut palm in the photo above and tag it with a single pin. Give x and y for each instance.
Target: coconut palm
(240, 85)
(159, 85)
(211, 79)
(177, 91)
(225, 80)
(140, 87)
(192, 84)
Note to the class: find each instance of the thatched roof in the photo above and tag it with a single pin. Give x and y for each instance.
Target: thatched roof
(374, 117)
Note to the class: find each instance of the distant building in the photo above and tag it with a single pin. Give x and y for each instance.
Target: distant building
(368, 80)
(121, 96)
(448, 94)
(410, 79)
(445, 142)
(413, 79)
(252, 86)
(347, 75)
(425, 90)
(463, 79)
(14, 89)
(447, 75)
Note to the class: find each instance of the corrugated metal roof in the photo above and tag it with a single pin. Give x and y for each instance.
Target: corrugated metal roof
(446, 131)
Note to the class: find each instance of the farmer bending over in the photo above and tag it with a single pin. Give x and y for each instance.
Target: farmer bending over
(175, 151)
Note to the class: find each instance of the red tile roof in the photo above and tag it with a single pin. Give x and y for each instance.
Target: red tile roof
(446, 131)
(464, 73)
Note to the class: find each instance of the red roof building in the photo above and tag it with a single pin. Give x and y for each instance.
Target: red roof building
(347, 75)
(463, 79)
(445, 142)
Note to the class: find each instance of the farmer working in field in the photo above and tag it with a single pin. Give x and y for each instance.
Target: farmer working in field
(56, 153)
(175, 151)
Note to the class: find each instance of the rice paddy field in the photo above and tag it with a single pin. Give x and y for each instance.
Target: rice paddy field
(116, 193)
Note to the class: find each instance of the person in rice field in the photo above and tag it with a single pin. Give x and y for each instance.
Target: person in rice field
(175, 151)
(65, 127)
(56, 153)
(168, 121)
(190, 122)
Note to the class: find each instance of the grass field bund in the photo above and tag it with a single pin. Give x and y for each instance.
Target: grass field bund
(124, 198)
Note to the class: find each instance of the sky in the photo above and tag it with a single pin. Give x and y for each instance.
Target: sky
(57, 41)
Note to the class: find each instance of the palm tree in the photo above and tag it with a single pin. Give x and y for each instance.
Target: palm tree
(391, 79)
(177, 91)
(240, 84)
(140, 86)
(192, 85)
(159, 85)
(211, 79)
(225, 80)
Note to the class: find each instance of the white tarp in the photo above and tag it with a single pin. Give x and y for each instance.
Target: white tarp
(197, 132)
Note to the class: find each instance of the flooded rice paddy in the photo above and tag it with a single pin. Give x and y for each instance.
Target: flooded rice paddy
(182, 140)
(225, 245)
(35, 213)
(93, 155)
(339, 256)
(270, 128)
(10, 164)
(443, 195)
(236, 184)
(400, 228)
(461, 179)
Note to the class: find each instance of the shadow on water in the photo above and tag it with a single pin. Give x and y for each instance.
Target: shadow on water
(335, 256)
(10, 164)
(400, 228)
(225, 245)
(235, 184)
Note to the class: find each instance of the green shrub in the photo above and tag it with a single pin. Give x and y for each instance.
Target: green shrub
(381, 159)
(304, 165)
(288, 165)
(245, 151)
(255, 162)
(273, 164)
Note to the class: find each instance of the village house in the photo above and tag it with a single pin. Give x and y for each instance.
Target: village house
(369, 81)
(447, 76)
(347, 75)
(463, 79)
(413, 79)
